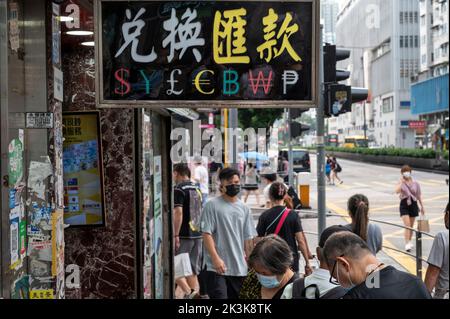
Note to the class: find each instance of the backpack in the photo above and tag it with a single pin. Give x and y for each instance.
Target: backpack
(338, 168)
(299, 291)
(293, 198)
(195, 206)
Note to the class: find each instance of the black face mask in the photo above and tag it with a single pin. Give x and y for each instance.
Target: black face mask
(232, 190)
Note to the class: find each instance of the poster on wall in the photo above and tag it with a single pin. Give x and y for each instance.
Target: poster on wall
(157, 182)
(84, 203)
(204, 53)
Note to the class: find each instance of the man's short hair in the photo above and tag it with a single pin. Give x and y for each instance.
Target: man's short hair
(182, 170)
(327, 233)
(344, 244)
(228, 173)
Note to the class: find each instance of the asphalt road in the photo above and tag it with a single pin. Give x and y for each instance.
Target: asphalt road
(378, 182)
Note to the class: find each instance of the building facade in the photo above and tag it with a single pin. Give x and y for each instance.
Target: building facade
(383, 37)
(430, 87)
(328, 14)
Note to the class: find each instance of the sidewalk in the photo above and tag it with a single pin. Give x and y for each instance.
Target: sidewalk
(309, 223)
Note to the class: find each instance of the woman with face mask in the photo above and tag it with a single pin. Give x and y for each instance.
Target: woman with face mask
(271, 272)
(410, 200)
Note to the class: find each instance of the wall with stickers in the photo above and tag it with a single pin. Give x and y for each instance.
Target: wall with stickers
(32, 234)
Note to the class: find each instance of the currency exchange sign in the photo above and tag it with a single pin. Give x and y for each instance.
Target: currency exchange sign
(207, 53)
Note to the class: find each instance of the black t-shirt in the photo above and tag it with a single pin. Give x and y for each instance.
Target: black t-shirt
(182, 199)
(394, 284)
(292, 225)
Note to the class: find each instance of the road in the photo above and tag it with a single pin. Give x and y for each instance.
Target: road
(378, 182)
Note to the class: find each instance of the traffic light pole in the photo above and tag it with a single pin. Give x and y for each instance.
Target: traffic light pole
(290, 155)
(321, 180)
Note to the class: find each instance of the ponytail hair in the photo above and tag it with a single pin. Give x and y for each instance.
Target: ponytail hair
(277, 191)
(358, 208)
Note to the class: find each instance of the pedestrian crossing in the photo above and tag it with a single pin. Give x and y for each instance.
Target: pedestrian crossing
(386, 185)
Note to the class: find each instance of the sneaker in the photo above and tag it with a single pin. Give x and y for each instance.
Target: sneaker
(342, 182)
(408, 247)
(193, 295)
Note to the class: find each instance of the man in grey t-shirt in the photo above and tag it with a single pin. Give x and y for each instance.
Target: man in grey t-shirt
(228, 233)
(437, 272)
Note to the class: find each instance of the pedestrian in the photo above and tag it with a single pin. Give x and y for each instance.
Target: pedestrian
(268, 178)
(271, 272)
(251, 183)
(437, 273)
(410, 198)
(364, 276)
(336, 168)
(228, 233)
(286, 223)
(201, 177)
(215, 169)
(358, 209)
(317, 285)
(186, 221)
(328, 169)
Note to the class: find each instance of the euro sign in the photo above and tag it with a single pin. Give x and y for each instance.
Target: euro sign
(124, 87)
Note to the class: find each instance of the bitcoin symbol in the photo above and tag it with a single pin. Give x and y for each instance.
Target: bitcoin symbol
(124, 88)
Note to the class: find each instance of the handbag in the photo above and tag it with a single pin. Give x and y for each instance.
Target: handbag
(182, 266)
(423, 224)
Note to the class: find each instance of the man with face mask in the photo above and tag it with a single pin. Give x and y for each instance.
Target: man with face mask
(437, 272)
(228, 233)
(359, 271)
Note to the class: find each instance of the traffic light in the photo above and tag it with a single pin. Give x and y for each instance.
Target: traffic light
(297, 129)
(338, 98)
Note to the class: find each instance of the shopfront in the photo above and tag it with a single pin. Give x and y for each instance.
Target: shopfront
(115, 192)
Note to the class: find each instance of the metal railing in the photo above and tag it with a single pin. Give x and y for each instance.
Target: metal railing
(418, 235)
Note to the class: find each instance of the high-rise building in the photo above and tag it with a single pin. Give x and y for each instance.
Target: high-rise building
(430, 87)
(328, 14)
(383, 37)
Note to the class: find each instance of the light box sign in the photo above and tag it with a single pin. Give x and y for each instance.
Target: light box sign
(83, 170)
(207, 53)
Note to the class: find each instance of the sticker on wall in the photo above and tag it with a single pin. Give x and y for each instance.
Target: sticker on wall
(14, 31)
(21, 288)
(14, 243)
(42, 294)
(56, 35)
(58, 84)
(38, 173)
(15, 157)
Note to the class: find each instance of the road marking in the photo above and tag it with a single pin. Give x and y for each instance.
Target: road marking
(437, 181)
(405, 261)
(429, 184)
(361, 185)
(394, 206)
(390, 186)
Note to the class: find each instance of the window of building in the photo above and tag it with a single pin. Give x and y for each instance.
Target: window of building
(388, 106)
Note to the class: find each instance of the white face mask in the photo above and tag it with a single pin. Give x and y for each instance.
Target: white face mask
(407, 174)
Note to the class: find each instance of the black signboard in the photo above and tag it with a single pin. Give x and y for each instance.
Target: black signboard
(207, 53)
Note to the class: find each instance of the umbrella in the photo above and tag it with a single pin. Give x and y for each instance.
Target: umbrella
(254, 156)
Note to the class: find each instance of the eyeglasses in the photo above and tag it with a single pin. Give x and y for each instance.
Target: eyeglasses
(332, 279)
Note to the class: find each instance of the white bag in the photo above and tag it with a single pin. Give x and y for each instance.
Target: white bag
(182, 266)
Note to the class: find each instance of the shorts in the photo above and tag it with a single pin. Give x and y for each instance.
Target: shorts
(409, 210)
(193, 247)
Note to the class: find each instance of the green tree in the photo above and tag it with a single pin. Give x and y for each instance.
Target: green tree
(258, 118)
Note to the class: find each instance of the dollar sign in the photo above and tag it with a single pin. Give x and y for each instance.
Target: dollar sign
(125, 86)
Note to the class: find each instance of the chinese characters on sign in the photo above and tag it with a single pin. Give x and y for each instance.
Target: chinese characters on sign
(83, 177)
(220, 51)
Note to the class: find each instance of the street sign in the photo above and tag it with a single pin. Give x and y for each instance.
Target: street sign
(39, 120)
(416, 125)
(193, 54)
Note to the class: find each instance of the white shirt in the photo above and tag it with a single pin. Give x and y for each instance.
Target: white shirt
(319, 277)
(201, 176)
